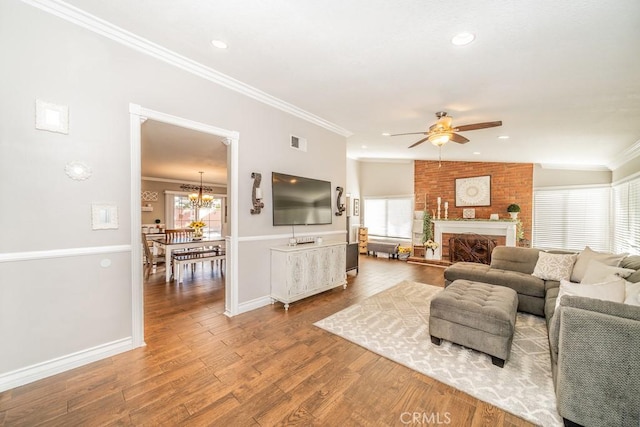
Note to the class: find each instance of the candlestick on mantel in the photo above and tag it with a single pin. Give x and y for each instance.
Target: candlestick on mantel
(446, 210)
(439, 201)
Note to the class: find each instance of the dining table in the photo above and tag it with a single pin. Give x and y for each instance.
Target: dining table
(170, 245)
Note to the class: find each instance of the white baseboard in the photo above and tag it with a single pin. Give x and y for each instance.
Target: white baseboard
(243, 307)
(42, 370)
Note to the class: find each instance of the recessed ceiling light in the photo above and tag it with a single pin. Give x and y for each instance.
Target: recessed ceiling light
(462, 39)
(476, 152)
(386, 134)
(503, 137)
(364, 146)
(219, 44)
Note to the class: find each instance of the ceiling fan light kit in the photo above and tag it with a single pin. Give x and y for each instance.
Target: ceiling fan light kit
(439, 139)
(442, 132)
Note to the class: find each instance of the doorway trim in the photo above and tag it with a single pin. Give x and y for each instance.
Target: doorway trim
(139, 115)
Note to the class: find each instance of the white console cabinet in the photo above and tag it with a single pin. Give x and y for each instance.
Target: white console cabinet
(301, 271)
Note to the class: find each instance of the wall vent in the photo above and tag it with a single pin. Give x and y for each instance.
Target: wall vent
(298, 143)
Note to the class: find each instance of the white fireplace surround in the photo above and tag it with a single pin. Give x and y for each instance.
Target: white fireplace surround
(485, 227)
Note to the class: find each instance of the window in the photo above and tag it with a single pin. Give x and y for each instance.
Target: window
(572, 218)
(626, 208)
(180, 213)
(389, 217)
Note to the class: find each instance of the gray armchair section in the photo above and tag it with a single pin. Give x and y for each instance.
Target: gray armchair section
(597, 345)
(594, 344)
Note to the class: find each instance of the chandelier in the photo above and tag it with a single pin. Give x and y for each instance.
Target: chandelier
(199, 200)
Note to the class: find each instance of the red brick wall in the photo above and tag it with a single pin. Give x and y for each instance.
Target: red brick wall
(510, 183)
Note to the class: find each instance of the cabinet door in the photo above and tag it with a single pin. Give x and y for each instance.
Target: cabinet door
(325, 263)
(338, 270)
(297, 273)
(314, 271)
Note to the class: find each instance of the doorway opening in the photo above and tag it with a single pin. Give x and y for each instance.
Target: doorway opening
(138, 115)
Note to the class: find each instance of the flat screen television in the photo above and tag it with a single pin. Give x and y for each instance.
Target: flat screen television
(300, 201)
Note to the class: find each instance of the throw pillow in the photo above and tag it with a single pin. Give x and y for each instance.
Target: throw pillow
(598, 272)
(632, 296)
(554, 266)
(587, 255)
(607, 291)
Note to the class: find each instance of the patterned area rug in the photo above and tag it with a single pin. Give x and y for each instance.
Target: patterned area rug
(394, 324)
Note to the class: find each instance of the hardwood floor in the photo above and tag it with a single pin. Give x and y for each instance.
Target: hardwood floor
(266, 367)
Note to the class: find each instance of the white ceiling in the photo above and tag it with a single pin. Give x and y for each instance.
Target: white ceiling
(175, 153)
(564, 77)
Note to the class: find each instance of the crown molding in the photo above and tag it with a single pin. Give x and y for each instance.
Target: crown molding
(625, 156)
(178, 181)
(575, 167)
(104, 28)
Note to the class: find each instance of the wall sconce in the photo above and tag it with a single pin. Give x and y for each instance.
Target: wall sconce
(256, 193)
(339, 206)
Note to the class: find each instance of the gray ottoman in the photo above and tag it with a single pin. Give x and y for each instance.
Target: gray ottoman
(476, 315)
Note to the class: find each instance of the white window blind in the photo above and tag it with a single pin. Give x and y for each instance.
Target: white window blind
(572, 218)
(389, 217)
(626, 212)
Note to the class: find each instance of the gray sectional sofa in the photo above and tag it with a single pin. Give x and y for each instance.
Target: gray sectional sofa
(595, 344)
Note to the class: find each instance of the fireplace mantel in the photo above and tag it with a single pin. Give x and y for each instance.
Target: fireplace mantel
(505, 228)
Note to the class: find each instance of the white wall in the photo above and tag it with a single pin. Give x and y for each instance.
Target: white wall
(53, 307)
(353, 189)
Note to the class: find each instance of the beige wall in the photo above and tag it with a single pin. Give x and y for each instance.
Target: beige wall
(545, 177)
(390, 178)
(160, 187)
(630, 168)
(74, 302)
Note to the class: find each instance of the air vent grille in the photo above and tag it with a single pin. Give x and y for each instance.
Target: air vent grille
(298, 143)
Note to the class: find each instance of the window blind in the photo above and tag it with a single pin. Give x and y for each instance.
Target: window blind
(572, 218)
(626, 212)
(389, 217)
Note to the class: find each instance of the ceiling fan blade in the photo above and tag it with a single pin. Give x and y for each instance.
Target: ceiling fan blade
(458, 138)
(475, 126)
(412, 133)
(418, 143)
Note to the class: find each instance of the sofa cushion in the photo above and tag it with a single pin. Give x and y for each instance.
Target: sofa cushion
(632, 294)
(467, 270)
(524, 284)
(598, 272)
(550, 303)
(522, 260)
(613, 290)
(554, 266)
(632, 262)
(587, 255)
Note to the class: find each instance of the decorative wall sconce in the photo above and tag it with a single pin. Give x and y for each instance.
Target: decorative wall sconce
(256, 193)
(339, 206)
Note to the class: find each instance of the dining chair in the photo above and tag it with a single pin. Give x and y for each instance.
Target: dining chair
(179, 233)
(151, 261)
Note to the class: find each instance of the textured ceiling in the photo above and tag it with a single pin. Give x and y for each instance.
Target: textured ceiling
(564, 77)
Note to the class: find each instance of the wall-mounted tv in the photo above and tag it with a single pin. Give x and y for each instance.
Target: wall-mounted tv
(300, 201)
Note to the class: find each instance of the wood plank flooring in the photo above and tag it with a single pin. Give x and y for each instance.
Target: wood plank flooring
(263, 368)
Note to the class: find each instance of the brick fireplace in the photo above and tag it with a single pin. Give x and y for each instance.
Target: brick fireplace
(501, 232)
